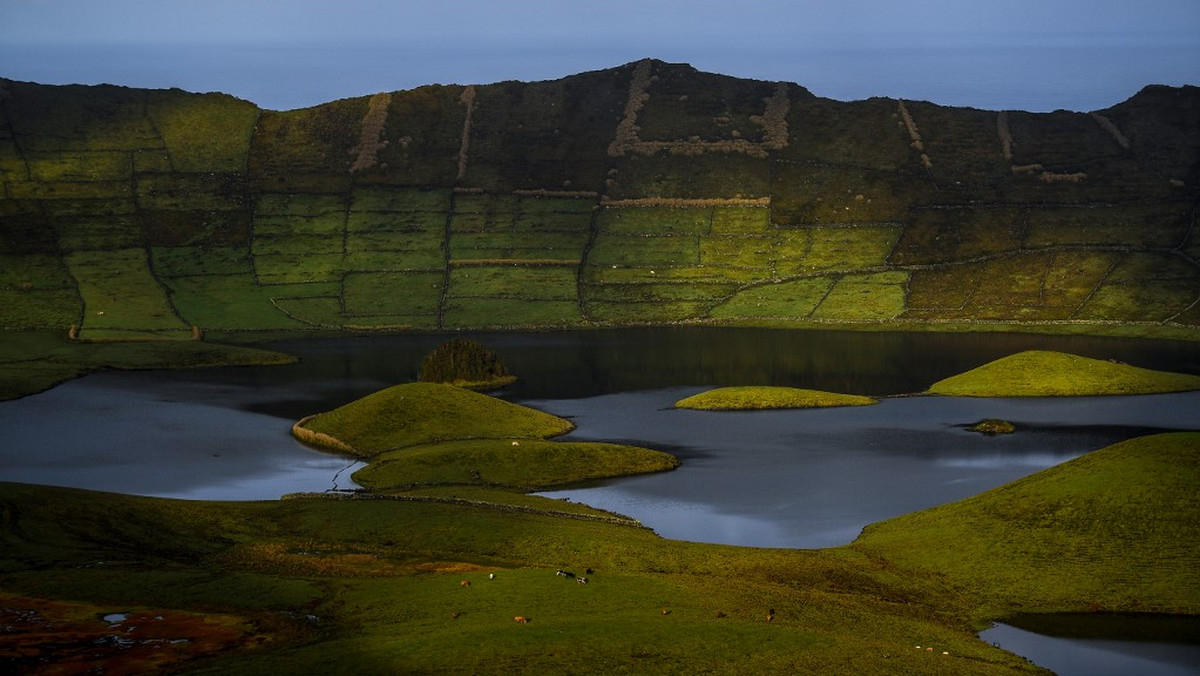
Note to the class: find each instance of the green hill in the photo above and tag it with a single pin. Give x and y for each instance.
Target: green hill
(645, 193)
(1042, 373)
(422, 413)
(1113, 530)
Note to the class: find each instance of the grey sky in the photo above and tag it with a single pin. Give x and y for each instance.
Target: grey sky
(1034, 54)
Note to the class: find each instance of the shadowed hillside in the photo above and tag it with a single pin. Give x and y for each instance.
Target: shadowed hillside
(647, 193)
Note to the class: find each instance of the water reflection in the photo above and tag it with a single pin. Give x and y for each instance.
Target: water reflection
(1103, 644)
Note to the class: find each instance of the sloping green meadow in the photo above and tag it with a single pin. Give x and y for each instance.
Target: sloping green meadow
(449, 568)
(646, 193)
(1040, 373)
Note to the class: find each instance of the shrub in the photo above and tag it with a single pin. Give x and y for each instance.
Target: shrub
(464, 362)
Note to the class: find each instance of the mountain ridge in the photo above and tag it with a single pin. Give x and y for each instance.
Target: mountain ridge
(642, 194)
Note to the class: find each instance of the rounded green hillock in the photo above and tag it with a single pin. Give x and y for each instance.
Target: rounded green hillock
(422, 413)
(1041, 373)
(525, 464)
(750, 398)
(991, 426)
(1058, 539)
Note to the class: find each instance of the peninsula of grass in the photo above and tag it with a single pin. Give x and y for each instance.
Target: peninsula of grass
(1041, 373)
(522, 464)
(33, 361)
(1076, 537)
(753, 398)
(423, 413)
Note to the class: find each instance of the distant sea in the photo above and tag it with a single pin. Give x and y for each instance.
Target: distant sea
(1081, 73)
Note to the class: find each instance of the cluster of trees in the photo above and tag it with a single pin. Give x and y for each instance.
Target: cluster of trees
(464, 362)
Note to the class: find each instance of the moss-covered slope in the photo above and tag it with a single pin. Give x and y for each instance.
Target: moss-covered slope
(420, 413)
(759, 398)
(646, 193)
(1113, 530)
(1043, 373)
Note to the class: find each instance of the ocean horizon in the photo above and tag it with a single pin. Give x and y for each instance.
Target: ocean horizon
(1090, 73)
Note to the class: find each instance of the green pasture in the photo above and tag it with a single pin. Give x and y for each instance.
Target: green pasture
(748, 252)
(644, 251)
(189, 261)
(399, 261)
(564, 246)
(39, 308)
(658, 221)
(432, 580)
(705, 174)
(400, 199)
(231, 302)
(420, 413)
(370, 222)
(524, 464)
(1113, 530)
(1039, 373)
(821, 194)
(1149, 226)
(938, 236)
(120, 293)
(700, 273)
(847, 249)
(504, 312)
(28, 272)
(284, 261)
(36, 360)
(415, 293)
(872, 297)
(543, 282)
(328, 226)
(740, 220)
(205, 133)
(96, 165)
(797, 298)
(644, 312)
(754, 398)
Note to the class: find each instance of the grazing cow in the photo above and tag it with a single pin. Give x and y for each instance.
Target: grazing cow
(464, 583)
(581, 580)
(491, 576)
(665, 611)
(521, 620)
(564, 573)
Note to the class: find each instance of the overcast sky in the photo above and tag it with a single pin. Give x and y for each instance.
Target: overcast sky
(262, 48)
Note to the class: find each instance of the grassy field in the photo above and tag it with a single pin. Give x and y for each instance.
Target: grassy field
(760, 192)
(431, 581)
(32, 361)
(418, 413)
(1039, 373)
(758, 398)
(1077, 537)
(526, 464)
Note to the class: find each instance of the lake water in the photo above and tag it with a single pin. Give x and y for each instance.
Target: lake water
(1104, 644)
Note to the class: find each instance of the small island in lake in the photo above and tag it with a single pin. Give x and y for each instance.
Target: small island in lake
(1042, 373)
(750, 398)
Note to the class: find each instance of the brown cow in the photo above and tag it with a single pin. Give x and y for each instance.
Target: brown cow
(520, 619)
